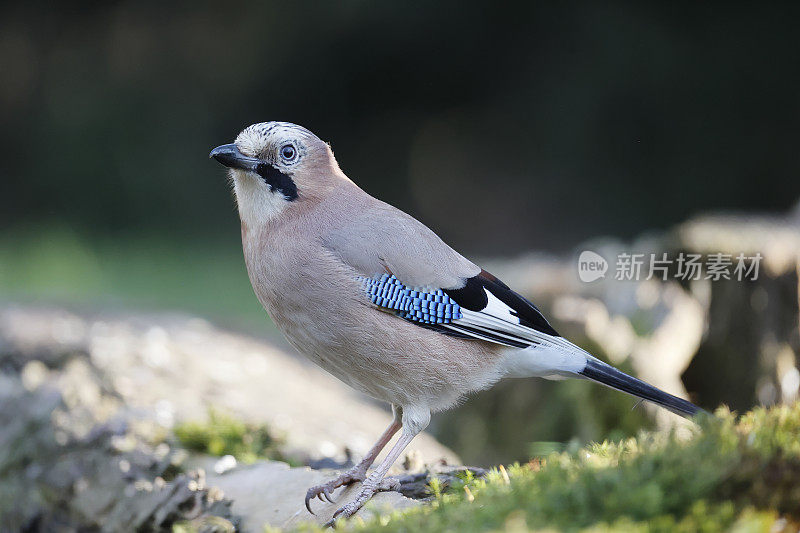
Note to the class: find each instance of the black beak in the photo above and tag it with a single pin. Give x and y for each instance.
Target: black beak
(230, 156)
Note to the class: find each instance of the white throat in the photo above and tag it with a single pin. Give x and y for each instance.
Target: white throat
(257, 204)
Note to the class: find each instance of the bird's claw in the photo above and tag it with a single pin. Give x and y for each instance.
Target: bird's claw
(363, 497)
(332, 522)
(349, 509)
(325, 491)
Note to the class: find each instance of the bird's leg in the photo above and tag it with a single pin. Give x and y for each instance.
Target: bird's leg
(415, 419)
(359, 471)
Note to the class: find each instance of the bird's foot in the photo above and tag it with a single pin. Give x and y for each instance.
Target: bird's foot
(325, 491)
(371, 486)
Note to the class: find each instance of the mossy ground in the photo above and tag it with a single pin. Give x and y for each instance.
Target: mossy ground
(732, 474)
(223, 434)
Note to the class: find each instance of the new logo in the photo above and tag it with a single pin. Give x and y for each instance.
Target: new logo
(591, 266)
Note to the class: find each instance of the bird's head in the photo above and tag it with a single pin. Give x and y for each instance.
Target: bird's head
(275, 166)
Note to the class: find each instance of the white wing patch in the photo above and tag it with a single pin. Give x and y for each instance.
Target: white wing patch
(500, 321)
(498, 309)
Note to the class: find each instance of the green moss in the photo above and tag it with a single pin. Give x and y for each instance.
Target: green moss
(224, 435)
(729, 475)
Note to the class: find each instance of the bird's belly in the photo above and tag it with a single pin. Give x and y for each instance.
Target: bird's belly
(390, 359)
(343, 360)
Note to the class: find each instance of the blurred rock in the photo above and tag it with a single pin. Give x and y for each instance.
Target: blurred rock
(752, 338)
(179, 367)
(86, 408)
(66, 463)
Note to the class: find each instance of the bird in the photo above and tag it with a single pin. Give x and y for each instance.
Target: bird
(377, 299)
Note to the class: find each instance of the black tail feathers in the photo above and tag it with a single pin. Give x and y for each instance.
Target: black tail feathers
(611, 377)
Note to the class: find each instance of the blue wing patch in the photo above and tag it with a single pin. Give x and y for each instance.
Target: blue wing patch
(511, 320)
(425, 306)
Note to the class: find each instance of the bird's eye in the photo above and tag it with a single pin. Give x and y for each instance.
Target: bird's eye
(288, 152)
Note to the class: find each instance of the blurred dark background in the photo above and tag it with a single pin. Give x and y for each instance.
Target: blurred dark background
(564, 121)
(505, 127)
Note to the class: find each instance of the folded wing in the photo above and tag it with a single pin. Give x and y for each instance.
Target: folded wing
(483, 308)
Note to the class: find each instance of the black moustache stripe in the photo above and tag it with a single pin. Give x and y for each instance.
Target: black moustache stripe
(277, 181)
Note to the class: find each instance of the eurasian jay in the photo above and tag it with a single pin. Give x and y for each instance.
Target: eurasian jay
(377, 299)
